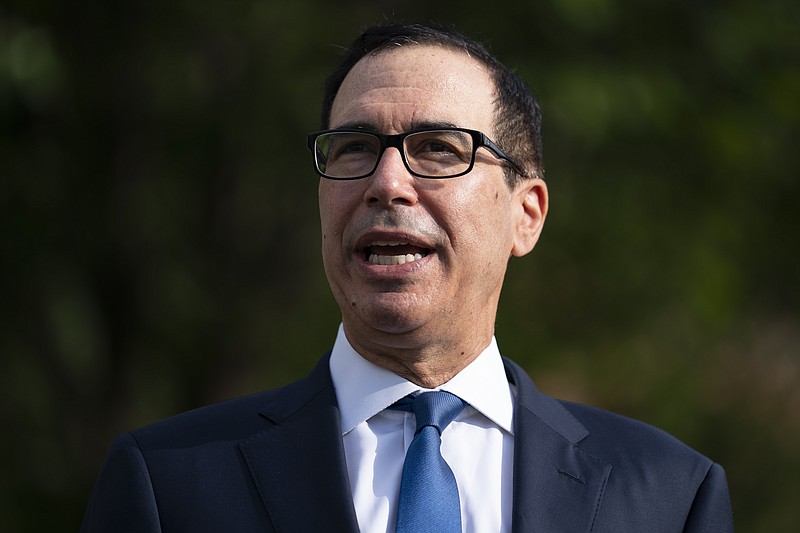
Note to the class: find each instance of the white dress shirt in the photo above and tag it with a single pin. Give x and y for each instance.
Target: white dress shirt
(478, 445)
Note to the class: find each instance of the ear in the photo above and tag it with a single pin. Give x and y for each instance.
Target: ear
(532, 200)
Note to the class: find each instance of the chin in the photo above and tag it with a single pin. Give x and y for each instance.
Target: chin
(395, 318)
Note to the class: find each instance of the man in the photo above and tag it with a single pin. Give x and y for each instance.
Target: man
(431, 180)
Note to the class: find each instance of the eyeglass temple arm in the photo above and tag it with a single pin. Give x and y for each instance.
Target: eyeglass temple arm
(500, 154)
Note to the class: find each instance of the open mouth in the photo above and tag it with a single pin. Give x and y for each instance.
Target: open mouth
(394, 253)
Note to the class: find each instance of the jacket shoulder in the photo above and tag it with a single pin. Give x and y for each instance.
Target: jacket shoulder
(237, 418)
(226, 420)
(630, 443)
(655, 478)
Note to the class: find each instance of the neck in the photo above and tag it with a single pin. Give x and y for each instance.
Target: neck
(427, 364)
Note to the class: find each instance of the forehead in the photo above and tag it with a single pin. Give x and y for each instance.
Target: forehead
(416, 85)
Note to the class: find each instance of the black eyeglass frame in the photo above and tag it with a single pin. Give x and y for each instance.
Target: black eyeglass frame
(479, 139)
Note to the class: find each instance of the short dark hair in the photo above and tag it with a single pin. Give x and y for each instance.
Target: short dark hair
(517, 116)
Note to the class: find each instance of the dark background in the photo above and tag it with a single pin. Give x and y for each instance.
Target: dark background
(159, 230)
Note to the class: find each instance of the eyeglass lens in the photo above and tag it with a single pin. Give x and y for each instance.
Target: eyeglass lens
(432, 153)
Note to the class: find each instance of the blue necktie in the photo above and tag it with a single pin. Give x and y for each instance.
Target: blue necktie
(428, 491)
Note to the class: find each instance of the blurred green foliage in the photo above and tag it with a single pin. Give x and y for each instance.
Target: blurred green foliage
(159, 233)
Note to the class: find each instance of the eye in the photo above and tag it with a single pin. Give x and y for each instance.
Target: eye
(352, 147)
(436, 145)
(347, 144)
(439, 145)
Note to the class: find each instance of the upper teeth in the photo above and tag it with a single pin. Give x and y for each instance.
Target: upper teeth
(376, 259)
(397, 259)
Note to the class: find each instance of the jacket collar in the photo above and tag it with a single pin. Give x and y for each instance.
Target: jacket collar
(298, 464)
(557, 486)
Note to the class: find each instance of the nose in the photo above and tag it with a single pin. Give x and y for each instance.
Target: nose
(391, 183)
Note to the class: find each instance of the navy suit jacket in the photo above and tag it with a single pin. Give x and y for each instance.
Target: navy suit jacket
(274, 462)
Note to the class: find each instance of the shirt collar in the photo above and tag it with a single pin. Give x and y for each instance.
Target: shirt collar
(364, 389)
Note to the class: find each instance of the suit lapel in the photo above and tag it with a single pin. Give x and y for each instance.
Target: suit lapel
(298, 464)
(557, 486)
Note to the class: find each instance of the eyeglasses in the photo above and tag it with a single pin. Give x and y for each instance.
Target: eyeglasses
(350, 154)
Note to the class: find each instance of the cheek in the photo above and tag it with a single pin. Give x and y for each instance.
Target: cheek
(333, 204)
(480, 216)
(328, 227)
(340, 194)
(494, 228)
(331, 239)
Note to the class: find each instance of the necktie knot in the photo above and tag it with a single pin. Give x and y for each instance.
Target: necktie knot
(436, 409)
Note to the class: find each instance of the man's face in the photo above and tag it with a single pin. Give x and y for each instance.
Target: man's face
(453, 237)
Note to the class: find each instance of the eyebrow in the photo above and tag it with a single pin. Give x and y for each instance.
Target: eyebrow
(371, 127)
